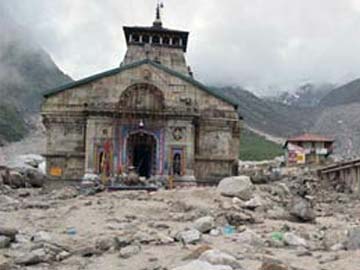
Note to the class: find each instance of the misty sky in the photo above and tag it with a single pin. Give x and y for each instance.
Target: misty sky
(264, 45)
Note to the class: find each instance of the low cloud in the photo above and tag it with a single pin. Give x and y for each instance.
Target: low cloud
(260, 44)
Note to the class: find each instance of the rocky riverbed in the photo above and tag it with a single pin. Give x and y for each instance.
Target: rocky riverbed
(284, 224)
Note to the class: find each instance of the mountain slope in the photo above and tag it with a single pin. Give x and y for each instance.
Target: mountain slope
(343, 124)
(26, 72)
(271, 117)
(346, 94)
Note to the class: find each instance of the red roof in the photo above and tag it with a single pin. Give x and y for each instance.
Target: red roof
(310, 138)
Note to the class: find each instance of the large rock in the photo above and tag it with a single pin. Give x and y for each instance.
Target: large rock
(122, 241)
(249, 237)
(34, 257)
(238, 186)
(41, 236)
(334, 239)
(217, 257)
(239, 218)
(129, 251)
(204, 224)
(4, 263)
(253, 203)
(292, 239)
(302, 209)
(353, 240)
(189, 236)
(274, 266)
(9, 232)
(202, 265)
(16, 180)
(24, 162)
(104, 244)
(4, 242)
(35, 178)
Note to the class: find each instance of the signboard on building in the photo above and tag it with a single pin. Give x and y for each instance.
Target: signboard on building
(296, 154)
(56, 171)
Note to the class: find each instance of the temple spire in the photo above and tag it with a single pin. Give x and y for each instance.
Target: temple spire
(158, 22)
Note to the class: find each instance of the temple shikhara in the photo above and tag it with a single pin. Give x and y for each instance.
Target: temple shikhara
(149, 114)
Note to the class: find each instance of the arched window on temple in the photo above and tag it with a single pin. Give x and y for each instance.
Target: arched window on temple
(143, 97)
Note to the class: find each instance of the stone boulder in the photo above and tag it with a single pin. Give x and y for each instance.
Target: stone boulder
(27, 161)
(31, 258)
(15, 180)
(249, 237)
(202, 265)
(35, 178)
(237, 186)
(274, 266)
(270, 263)
(4, 263)
(129, 251)
(204, 224)
(302, 209)
(217, 257)
(334, 239)
(4, 242)
(41, 236)
(189, 236)
(122, 241)
(253, 203)
(104, 244)
(292, 239)
(9, 232)
(353, 239)
(239, 218)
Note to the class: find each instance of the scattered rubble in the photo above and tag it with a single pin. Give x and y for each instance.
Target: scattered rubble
(292, 220)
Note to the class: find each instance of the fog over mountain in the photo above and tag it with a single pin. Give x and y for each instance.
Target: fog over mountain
(26, 72)
(261, 45)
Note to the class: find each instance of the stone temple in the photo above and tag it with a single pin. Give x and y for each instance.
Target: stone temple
(149, 113)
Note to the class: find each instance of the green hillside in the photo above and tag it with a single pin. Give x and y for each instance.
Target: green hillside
(255, 147)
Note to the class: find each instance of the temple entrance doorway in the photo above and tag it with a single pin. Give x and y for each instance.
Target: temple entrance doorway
(142, 153)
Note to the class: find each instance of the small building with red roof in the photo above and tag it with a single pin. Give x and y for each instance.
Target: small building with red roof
(308, 149)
